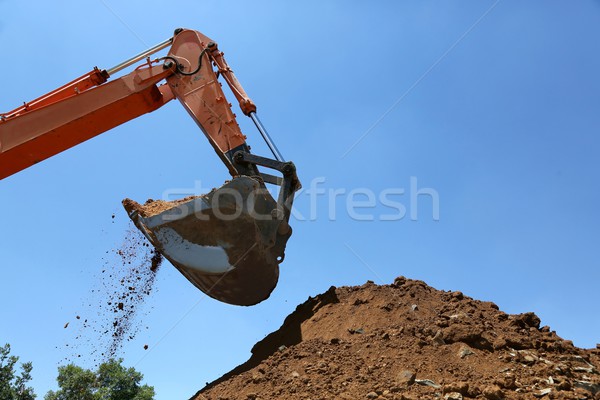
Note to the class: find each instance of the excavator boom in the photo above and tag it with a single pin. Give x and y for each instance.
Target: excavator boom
(75, 113)
(229, 242)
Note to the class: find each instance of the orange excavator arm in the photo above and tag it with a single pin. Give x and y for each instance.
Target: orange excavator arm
(229, 242)
(74, 114)
(89, 105)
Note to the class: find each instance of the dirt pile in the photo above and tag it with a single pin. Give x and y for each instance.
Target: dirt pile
(409, 341)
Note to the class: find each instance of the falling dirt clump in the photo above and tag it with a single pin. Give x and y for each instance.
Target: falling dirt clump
(134, 283)
(155, 261)
(125, 283)
(406, 341)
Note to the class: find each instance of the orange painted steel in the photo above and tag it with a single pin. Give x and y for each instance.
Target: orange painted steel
(246, 104)
(38, 134)
(201, 93)
(89, 105)
(93, 78)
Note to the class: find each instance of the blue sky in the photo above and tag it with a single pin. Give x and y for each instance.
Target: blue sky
(491, 105)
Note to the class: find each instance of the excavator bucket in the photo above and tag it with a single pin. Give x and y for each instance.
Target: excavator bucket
(228, 243)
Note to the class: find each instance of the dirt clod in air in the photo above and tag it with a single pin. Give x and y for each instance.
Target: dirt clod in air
(155, 261)
(136, 270)
(126, 282)
(371, 342)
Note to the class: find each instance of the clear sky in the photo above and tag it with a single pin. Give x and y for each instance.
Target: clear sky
(454, 142)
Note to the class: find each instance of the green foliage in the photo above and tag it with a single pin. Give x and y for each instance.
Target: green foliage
(13, 386)
(111, 381)
(75, 383)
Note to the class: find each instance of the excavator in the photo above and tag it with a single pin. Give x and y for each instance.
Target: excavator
(228, 243)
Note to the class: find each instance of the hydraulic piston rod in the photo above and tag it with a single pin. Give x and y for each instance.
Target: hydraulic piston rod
(140, 56)
(266, 136)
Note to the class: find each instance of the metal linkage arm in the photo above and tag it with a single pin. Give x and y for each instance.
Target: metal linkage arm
(289, 185)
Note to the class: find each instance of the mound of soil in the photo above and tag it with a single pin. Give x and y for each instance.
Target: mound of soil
(409, 341)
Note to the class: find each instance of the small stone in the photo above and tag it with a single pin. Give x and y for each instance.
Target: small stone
(372, 395)
(458, 295)
(508, 382)
(295, 374)
(414, 307)
(438, 339)
(584, 365)
(499, 343)
(465, 351)
(474, 391)
(529, 359)
(589, 386)
(406, 378)
(428, 382)
(453, 396)
(525, 320)
(561, 369)
(493, 392)
(334, 341)
(543, 392)
(460, 387)
(564, 385)
(399, 281)
(588, 370)
(282, 347)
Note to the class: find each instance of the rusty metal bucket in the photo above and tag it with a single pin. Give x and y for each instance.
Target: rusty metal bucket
(228, 243)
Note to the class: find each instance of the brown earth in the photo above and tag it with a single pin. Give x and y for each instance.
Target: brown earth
(153, 207)
(409, 341)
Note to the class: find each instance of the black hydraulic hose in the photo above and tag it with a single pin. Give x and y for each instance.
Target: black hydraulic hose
(180, 67)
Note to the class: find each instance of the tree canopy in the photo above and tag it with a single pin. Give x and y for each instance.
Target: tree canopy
(13, 386)
(111, 381)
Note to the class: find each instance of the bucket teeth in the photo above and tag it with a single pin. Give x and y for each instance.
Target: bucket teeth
(228, 243)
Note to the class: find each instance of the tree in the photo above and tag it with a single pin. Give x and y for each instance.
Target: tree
(13, 386)
(75, 383)
(111, 381)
